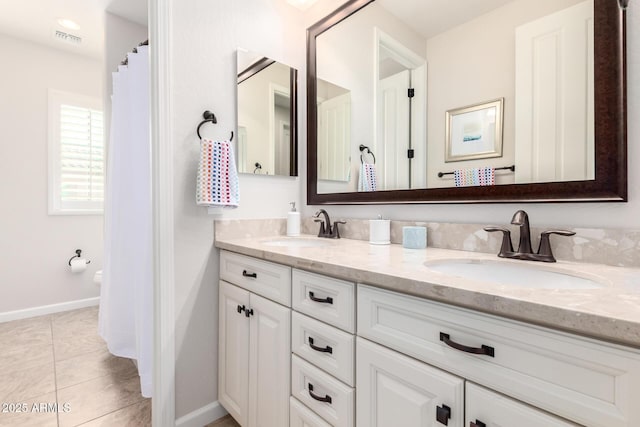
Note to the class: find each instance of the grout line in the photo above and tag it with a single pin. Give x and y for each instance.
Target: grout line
(55, 373)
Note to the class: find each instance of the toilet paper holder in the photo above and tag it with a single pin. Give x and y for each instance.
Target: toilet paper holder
(78, 253)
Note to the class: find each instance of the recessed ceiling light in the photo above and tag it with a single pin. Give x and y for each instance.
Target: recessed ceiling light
(68, 23)
(301, 4)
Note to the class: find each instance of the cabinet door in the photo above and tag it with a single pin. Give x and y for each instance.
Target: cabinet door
(269, 364)
(395, 390)
(485, 408)
(233, 352)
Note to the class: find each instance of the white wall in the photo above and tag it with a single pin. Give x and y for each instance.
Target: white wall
(605, 215)
(205, 35)
(35, 247)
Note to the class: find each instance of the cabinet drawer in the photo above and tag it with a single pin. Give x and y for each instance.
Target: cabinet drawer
(272, 281)
(301, 416)
(322, 393)
(584, 380)
(324, 298)
(325, 346)
(484, 407)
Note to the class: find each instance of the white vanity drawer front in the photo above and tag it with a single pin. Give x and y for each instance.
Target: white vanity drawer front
(272, 281)
(308, 381)
(584, 380)
(493, 409)
(324, 298)
(325, 346)
(301, 416)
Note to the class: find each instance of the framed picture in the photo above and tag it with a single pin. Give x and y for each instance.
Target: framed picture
(474, 132)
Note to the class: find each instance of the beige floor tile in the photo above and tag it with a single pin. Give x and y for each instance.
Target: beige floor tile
(42, 415)
(75, 323)
(34, 331)
(90, 366)
(88, 314)
(16, 386)
(22, 357)
(98, 397)
(227, 421)
(72, 346)
(138, 415)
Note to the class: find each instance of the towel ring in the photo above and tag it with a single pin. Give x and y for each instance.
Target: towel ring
(209, 117)
(364, 147)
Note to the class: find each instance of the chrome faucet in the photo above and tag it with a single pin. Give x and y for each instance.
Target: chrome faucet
(326, 229)
(521, 219)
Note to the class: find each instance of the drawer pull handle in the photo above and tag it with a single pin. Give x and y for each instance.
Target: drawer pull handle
(248, 312)
(327, 349)
(326, 397)
(477, 424)
(443, 414)
(241, 308)
(485, 349)
(245, 274)
(327, 300)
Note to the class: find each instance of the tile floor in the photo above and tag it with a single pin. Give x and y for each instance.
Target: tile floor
(60, 359)
(224, 422)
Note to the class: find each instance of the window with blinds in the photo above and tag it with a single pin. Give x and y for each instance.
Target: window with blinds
(76, 154)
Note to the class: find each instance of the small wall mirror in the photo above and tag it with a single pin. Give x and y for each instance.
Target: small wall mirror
(267, 125)
(493, 100)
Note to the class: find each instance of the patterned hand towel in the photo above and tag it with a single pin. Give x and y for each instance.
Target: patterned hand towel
(217, 175)
(474, 177)
(367, 180)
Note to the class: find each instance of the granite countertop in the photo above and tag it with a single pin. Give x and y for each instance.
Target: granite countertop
(611, 313)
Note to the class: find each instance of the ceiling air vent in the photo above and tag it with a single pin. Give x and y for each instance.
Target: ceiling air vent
(67, 37)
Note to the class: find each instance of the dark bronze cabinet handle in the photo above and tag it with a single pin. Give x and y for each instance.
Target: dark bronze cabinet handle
(326, 397)
(477, 424)
(485, 349)
(443, 414)
(327, 349)
(248, 312)
(241, 308)
(245, 274)
(327, 300)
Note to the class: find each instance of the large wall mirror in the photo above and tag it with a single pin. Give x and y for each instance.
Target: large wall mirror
(467, 101)
(267, 126)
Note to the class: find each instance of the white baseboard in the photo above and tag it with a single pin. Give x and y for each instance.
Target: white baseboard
(203, 416)
(48, 309)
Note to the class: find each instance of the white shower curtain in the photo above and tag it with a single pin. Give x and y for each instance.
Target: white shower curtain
(126, 296)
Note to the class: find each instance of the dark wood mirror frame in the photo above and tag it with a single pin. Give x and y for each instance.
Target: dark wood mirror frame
(610, 107)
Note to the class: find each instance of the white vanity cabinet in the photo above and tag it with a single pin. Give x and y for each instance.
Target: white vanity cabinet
(588, 382)
(254, 347)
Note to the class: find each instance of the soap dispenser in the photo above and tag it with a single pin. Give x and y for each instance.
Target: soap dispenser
(293, 221)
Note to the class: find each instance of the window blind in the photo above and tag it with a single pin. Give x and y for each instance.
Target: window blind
(81, 156)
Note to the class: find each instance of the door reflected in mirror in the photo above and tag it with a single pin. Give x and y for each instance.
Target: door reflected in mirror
(267, 124)
(402, 65)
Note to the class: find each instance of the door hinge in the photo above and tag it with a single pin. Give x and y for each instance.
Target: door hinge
(410, 153)
(411, 92)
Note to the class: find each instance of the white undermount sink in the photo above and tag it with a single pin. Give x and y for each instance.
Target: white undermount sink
(297, 242)
(523, 275)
